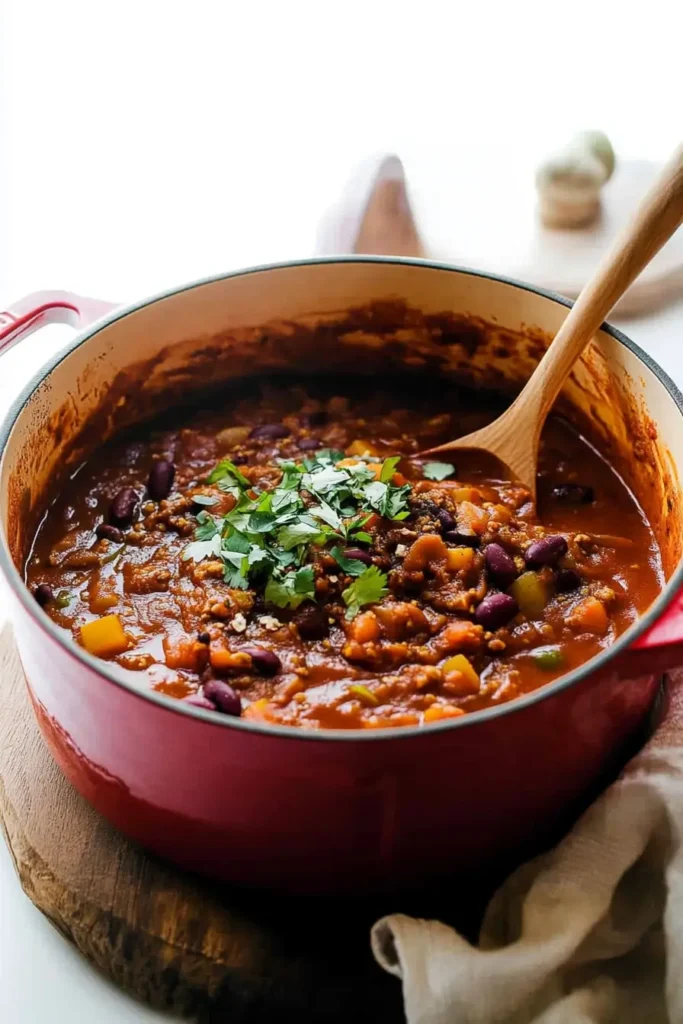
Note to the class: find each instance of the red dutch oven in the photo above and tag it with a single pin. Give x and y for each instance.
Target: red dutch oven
(331, 810)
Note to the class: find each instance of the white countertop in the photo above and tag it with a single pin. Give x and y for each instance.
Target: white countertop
(140, 147)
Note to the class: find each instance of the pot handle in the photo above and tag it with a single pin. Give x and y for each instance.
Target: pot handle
(660, 648)
(41, 308)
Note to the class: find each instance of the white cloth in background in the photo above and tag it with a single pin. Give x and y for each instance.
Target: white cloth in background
(590, 933)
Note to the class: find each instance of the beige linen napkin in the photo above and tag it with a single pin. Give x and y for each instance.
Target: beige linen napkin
(590, 933)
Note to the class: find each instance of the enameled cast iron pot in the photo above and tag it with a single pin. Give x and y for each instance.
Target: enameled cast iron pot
(332, 810)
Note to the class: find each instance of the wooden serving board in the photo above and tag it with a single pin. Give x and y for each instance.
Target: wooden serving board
(213, 953)
(168, 938)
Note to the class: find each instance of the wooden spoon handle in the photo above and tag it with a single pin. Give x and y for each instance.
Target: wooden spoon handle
(656, 219)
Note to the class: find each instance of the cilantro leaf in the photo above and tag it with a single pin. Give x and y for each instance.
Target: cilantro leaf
(395, 504)
(352, 566)
(236, 542)
(260, 522)
(322, 480)
(207, 528)
(235, 577)
(304, 581)
(204, 499)
(200, 549)
(368, 588)
(437, 470)
(327, 514)
(389, 468)
(293, 534)
(291, 475)
(291, 590)
(226, 468)
(362, 536)
(375, 493)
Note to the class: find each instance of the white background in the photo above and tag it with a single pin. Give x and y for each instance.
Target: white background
(144, 143)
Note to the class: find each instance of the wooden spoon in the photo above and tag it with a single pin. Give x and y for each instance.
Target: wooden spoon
(514, 437)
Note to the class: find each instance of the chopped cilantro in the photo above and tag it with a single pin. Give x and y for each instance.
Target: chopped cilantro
(389, 468)
(326, 479)
(437, 470)
(266, 537)
(291, 590)
(227, 469)
(261, 522)
(368, 588)
(208, 527)
(204, 499)
(200, 549)
(294, 534)
(352, 566)
(362, 536)
(303, 581)
(327, 514)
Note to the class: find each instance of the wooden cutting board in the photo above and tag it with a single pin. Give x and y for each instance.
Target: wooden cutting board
(210, 952)
(166, 937)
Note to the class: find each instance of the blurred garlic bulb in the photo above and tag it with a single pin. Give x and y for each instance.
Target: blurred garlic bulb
(569, 182)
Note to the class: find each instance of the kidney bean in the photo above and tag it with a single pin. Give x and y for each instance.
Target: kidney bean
(198, 700)
(495, 611)
(269, 432)
(160, 480)
(309, 444)
(107, 532)
(359, 554)
(124, 507)
(567, 580)
(311, 621)
(314, 418)
(444, 518)
(223, 697)
(573, 494)
(547, 551)
(43, 594)
(264, 661)
(458, 536)
(500, 565)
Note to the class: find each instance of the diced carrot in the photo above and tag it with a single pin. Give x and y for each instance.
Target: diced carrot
(438, 711)
(459, 558)
(460, 635)
(364, 629)
(224, 660)
(104, 637)
(257, 710)
(461, 678)
(400, 619)
(399, 480)
(345, 463)
(472, 517)
(362, 448)
(185, 652)
(372, 521)
(590, 616)
(470, 494)
(100, 600)
(428, 550)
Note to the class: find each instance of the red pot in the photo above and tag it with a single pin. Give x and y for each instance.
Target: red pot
(331, 810)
